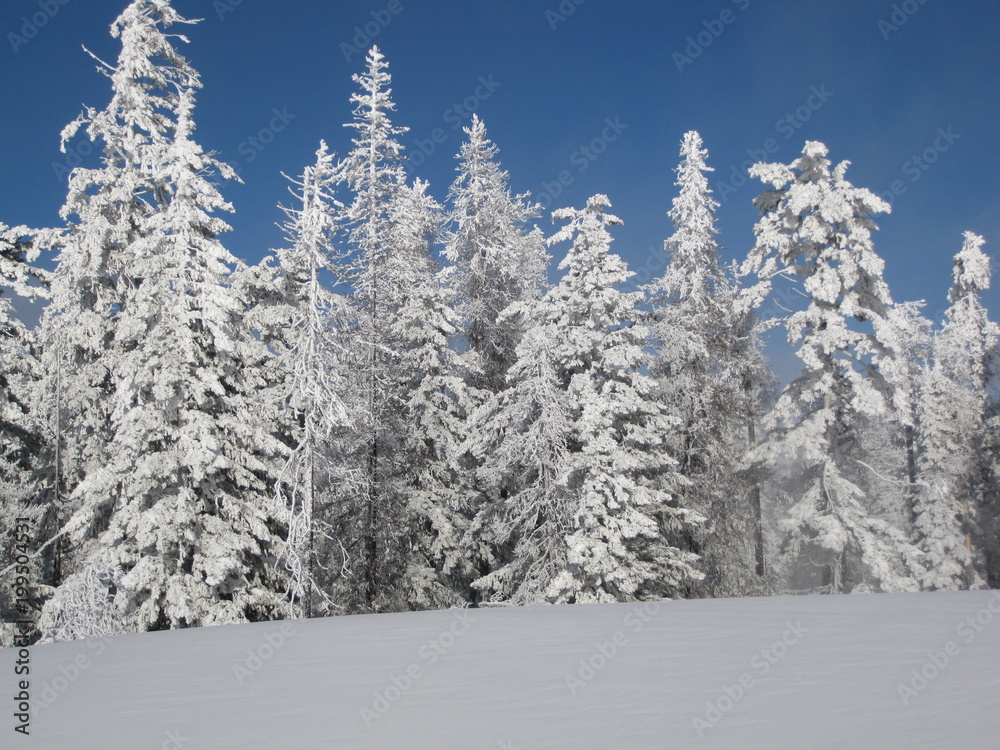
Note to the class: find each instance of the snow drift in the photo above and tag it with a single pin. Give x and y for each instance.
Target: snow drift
(880, 671)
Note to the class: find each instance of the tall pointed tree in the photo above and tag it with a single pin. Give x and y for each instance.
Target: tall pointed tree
(620, 478)
(105, 208)
(303, 325)
(498, 261)
(954, 522)
(708, 374)
(815, 227)
(432, 400)
(181, 515)
(373, 174)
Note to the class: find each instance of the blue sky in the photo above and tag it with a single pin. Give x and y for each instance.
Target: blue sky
(581, 96)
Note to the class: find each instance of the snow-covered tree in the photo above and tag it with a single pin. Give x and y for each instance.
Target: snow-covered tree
(373, 174)
(105, 208)
(302, 324)
(618, 478)
(183, 504)
(906, 372)
(497, 260)
(432, 477)
(406, 515)
(945, 469)
(709, 373)
(522, 437)
(21, 442)
(952, 515)
(815, 228)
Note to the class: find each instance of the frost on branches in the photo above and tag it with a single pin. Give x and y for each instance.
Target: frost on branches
(21, 439)
(954, 522)
(613, 485)
(709, 375)
(182, 504)
(815, 228)
(497, 261)
(301, 323)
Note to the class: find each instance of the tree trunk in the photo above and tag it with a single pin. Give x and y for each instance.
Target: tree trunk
(911, 473)
(755, 511)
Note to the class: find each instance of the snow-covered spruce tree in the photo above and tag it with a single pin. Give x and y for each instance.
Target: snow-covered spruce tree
(619, 476)
(815, 227)
(709, 374)
(497, 260)
(21, 442)
(301, 321)
(183, 505)
(104, 210)
(522, 437)
(954, 524)
(945, 468)
(374, 523)
(906, 372)
(498, 270)
(430, 475)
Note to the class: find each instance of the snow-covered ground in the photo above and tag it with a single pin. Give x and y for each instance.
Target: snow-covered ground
(846, 672)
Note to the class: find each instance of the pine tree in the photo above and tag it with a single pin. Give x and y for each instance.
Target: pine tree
(432, 403)
(709, 372)
(498, 273)
(21, 443)
(180, 519)
(953, 520)
(105, 208)
(498, 261)
(373, 174)
(906, 372)
(302, 323)
(619, 478)
(945, 467)
(815, 227)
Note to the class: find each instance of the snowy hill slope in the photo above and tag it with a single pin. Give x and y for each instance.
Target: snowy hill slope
(787, 672)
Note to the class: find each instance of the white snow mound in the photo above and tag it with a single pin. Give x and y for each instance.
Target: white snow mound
(841, 672)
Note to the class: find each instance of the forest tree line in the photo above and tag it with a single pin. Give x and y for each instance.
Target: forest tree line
(397, 410)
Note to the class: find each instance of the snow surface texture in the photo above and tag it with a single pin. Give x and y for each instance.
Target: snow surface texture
(816, 672)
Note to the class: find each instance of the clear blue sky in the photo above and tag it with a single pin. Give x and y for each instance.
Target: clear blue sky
(775, 73)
